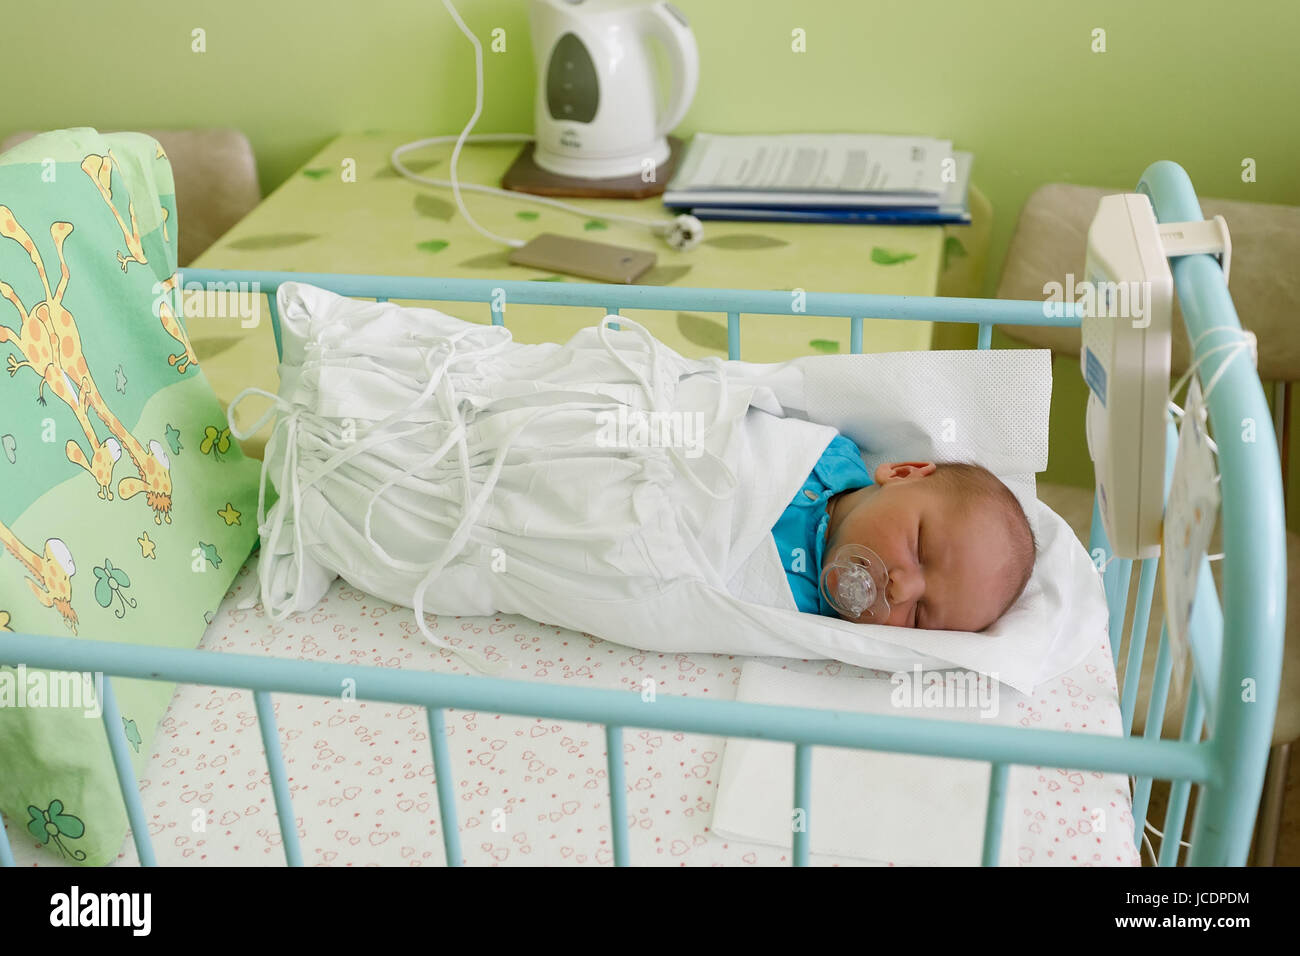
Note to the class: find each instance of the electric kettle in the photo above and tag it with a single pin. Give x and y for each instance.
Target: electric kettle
(597, 115)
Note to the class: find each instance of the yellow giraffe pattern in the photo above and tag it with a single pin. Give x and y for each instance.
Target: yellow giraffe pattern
(51, 347)
(47, 337)
(172, 327)
(100, 171)
(52, 571)
(100, 465)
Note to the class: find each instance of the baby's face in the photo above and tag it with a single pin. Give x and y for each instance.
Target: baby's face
(950, 562)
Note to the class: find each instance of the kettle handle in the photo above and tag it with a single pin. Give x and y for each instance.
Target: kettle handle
(667, 22)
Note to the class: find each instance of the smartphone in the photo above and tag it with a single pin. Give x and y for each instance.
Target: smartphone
(579, 257)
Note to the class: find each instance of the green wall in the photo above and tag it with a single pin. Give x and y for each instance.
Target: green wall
(1204, 82)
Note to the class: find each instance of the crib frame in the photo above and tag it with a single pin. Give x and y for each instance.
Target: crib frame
(1228, 766)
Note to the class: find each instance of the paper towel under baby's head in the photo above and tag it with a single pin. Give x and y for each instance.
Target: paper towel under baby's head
(989, 407)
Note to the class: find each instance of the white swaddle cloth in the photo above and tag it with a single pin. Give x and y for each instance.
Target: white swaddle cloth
(438, 464)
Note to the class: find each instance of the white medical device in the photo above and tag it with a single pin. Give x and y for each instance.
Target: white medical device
(1127, 305)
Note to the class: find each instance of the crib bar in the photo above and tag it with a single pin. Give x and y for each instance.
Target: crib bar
(1137, 641)
(1141, 618)
(446, 788)
(1254, 540)
(1099, 551)
(275, 323)
(668, 298)
(733, 335)
(1205, 639)
(381, 298)
(855, 335)
(1117, 588)
(1098, 546)
(497, 308)
(985, 336)
(126, 782)
(1113, 570)
(1180, 790)
(994, 813)
(1142, 611)
(6, 854)
(617, 794)
(613, 311)
(809, 725)
(1154, 727)
(801, 818)
(279, 778)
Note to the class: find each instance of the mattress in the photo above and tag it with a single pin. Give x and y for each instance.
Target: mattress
(529, 791)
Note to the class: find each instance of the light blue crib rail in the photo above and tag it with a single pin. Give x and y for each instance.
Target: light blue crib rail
(1228, 766)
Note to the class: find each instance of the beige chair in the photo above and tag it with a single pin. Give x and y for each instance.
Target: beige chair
(1049, 243)
(216, 182)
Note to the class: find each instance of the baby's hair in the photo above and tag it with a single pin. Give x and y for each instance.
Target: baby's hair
(977, 483)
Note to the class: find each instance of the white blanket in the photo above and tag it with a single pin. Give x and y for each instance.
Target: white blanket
(438, 464)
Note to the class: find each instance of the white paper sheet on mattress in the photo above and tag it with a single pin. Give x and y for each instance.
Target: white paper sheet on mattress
(865, 804)
(906, 809)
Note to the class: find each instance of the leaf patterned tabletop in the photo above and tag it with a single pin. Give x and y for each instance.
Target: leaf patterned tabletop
(347, 210)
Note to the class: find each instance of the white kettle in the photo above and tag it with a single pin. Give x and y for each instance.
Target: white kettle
(596, 114)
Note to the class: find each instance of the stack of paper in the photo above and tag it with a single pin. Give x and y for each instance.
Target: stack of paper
(827, 177)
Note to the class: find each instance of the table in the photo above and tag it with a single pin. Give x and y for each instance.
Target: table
(347, 210)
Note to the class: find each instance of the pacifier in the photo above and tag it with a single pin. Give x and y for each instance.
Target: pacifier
(853, 583)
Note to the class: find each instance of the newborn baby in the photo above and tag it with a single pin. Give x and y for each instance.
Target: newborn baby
(919, 544)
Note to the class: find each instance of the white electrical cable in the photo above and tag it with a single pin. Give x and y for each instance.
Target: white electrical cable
(464, 134)
(1152, 828)
(682, 233)
(1147, 825)
(1242, 343)
(1235, 348)
(654, 225)
(1147, 841)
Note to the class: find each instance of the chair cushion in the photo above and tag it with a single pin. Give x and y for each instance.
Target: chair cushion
(1075, 506)
(1051, 241)
(216, 182)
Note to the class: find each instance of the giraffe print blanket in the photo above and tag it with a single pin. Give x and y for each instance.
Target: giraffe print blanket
(121, 494)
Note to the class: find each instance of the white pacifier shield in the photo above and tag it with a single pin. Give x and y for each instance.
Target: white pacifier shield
(853, 583)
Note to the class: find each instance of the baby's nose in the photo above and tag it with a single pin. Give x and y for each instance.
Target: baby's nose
(902, 586)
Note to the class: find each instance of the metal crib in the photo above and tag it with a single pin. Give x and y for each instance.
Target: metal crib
(1228, 766)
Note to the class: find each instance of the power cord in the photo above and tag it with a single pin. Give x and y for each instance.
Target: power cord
(1147, 825)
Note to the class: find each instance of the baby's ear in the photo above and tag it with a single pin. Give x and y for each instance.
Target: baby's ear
(903, 470)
